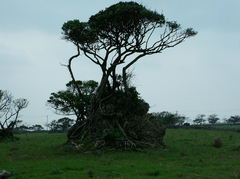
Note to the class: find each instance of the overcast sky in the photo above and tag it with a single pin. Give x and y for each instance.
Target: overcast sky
(201, 75)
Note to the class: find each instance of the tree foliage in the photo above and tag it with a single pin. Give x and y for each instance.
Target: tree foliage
(121, 122)
(234, 119)
(200, 119)
(70, 102)
(36, 127)
(61, 125)
(213, 118)
(169, 119)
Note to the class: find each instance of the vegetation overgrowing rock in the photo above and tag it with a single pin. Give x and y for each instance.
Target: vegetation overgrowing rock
(114, 39)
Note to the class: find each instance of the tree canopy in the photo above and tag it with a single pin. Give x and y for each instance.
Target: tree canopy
(70, 102)
(122, 34)
(234, 119)
(60, 125)
(200, 119)
(213, 118)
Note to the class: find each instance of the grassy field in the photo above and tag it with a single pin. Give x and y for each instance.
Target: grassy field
(189, 154)
(227, 126)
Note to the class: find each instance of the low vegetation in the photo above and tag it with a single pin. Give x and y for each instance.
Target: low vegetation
(188, 154)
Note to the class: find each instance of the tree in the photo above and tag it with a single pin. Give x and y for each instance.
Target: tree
(69, 102)
(36, 127)
(213, 118)
(9, 113)
(233, 119)
(61, 125)
(53, 126)
(114, 39)
(200, 119)
(65, 123)
(169, 119)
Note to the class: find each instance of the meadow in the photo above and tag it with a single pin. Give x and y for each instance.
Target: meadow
(227, 127)
(189, 153)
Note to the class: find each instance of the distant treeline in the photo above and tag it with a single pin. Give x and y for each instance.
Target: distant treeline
(60, 125)
(167, 119)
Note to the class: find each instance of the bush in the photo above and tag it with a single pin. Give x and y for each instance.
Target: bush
(217, 143)
(121, 122)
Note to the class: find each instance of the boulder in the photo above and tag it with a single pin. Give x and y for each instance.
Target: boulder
(4, 174)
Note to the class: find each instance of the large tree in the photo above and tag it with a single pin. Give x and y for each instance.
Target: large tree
(114, 39)
(9, 113)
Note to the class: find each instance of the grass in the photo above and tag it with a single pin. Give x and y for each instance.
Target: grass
(189, 154)
(227, 126)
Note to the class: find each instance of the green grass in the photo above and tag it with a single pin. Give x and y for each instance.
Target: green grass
(189, 154)
(227, 126)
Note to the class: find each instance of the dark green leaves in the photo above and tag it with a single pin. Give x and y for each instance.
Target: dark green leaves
(173, 25)
(70, 101)
(124, 18)
(190, 32)
(78, 32)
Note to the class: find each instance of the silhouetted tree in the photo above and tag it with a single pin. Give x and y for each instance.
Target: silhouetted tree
(200, 119)
(114, 39)
(61, 125)
(169, 119)
(186, 124)
(36, 127)
(233, 119)
(213, 118)
(53, 126)
(9, 113)
(65, 123)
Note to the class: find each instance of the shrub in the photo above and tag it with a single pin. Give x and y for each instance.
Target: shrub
(121, 123)
(217, 143)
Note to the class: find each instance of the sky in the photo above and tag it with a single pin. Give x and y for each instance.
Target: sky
(199, 76)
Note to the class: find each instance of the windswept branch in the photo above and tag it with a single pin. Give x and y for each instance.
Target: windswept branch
(70, 67)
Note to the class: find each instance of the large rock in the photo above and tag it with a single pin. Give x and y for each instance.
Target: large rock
(4, 174)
